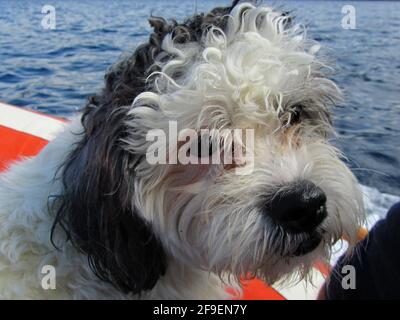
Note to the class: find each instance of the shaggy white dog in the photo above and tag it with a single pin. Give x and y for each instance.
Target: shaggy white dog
(115, 226)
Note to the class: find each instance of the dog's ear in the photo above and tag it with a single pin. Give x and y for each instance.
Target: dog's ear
(96, 207)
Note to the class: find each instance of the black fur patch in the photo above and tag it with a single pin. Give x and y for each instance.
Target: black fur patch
(96, 209)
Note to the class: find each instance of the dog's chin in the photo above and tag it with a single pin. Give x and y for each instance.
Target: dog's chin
(298, 263)
(308, 245)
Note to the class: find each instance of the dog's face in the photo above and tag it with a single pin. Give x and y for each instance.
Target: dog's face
(268, 215)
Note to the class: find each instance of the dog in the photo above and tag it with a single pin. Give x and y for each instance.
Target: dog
(114, 226)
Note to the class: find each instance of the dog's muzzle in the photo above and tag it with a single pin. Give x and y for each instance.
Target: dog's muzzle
(299, 208)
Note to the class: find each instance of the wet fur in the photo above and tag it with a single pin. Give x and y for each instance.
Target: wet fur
(91, 205)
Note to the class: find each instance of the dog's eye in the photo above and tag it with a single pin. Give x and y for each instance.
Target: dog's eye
(295, 114)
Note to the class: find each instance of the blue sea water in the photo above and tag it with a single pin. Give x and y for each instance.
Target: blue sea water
(53, 71)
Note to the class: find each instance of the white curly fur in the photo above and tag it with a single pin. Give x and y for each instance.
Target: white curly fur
(206, 216)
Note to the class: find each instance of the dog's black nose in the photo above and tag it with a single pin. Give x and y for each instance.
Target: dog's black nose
(298, 207)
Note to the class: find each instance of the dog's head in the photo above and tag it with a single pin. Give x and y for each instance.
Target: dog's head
(269, 215)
